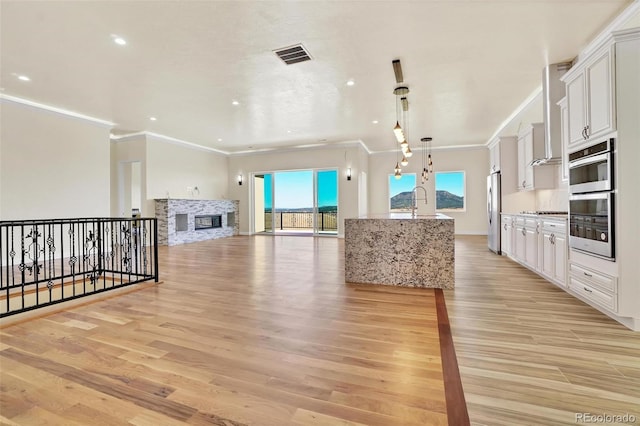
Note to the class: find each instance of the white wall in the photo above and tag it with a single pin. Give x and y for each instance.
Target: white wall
(340, 157)
(472, 161)
(172, 168)
(52, 165)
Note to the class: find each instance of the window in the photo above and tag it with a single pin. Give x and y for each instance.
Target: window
(450, 191)
(400, 192)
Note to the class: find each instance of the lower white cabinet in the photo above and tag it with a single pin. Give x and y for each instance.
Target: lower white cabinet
(554, 251)
(506, 235)
(531, 244)
(597, 287)
(539, 244)
(519, 239)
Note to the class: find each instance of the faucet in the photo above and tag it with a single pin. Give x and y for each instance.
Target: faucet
(414, 199)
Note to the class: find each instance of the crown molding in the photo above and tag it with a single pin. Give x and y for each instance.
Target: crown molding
(183, 142)
(125, 137)
(519, 109)
(439, 148)
(57, 110)
(606, 34)
(304, 147)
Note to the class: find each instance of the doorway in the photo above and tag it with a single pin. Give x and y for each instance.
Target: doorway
(130, 188)
(300, 202)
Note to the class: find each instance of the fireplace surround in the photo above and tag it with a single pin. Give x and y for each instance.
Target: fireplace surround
(183, 221)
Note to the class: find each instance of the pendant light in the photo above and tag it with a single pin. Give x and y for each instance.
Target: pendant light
(427, 163)
(400, 134)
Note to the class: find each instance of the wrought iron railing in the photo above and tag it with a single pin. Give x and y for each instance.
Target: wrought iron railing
(44, 262)
(327, 221)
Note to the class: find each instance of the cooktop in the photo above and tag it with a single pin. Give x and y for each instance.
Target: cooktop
(543, 212)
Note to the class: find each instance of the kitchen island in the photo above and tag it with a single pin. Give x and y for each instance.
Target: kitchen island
(400, 249)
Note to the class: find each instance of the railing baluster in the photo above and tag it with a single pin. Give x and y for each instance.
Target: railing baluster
(92, 248)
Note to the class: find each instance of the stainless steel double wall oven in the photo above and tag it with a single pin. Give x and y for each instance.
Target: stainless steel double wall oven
(592, 202)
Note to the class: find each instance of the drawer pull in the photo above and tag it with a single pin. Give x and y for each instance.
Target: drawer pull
(588, 289)
(588, 275)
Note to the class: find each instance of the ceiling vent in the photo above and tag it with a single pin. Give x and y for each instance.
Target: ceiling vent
(293, 54)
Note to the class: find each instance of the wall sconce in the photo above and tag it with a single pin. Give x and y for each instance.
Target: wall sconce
(349, 173)
(240, 179)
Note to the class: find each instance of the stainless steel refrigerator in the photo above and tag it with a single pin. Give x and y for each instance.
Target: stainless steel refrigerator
(493, 212)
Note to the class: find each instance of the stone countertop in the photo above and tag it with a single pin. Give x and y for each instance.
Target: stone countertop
(396, 216)
(192, 199)
(539, 216)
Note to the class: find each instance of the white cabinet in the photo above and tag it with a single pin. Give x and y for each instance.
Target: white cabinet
(564, 137)
(494, 158)
(590, 98)
(531, 245)
(554, 250)
(595, 286)
(506, 235)
(530, 177)
(539, 243)
(526, 241)
(519, 239)
(503, 153)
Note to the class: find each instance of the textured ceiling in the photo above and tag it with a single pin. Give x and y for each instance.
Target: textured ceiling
(468, 65)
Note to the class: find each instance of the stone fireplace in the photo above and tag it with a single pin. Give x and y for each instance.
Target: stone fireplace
(183, 221)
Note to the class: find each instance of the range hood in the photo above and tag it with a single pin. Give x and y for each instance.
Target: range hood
(553, 90)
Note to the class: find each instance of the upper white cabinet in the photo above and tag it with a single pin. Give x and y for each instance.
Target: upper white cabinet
(530, 177)
(590, 98)
(503, 158)
(564, 136)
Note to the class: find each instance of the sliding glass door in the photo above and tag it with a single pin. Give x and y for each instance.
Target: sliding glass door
(296, 202)
(326, 202)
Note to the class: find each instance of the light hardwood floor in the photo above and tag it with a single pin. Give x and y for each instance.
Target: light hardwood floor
(531, 354)
(262, 330)
(258, 330)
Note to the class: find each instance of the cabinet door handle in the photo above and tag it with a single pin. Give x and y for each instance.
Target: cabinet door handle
(588, 275)
(524, 232)
(586, 131)
(588, 289)
(505, 226)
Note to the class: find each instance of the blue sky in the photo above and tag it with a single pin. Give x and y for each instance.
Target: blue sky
(450, 181)
(405, 184)
(295, 189)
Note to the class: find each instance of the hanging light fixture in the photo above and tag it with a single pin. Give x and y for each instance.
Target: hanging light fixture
(427, 163)
(399, 132)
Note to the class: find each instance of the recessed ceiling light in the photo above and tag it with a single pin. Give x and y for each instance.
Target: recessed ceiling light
(288, 131)
(219, 139)
(23, 78)
(235, 103)
(152, 118)
(118, 40)
(375, 121)
(350, 83)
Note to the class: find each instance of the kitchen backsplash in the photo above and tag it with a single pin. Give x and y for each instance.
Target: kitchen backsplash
(542, 199)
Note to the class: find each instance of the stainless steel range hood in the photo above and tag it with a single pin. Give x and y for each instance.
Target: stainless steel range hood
(552, 91)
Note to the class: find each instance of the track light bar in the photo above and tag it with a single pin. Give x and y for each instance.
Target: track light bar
(397, 70)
